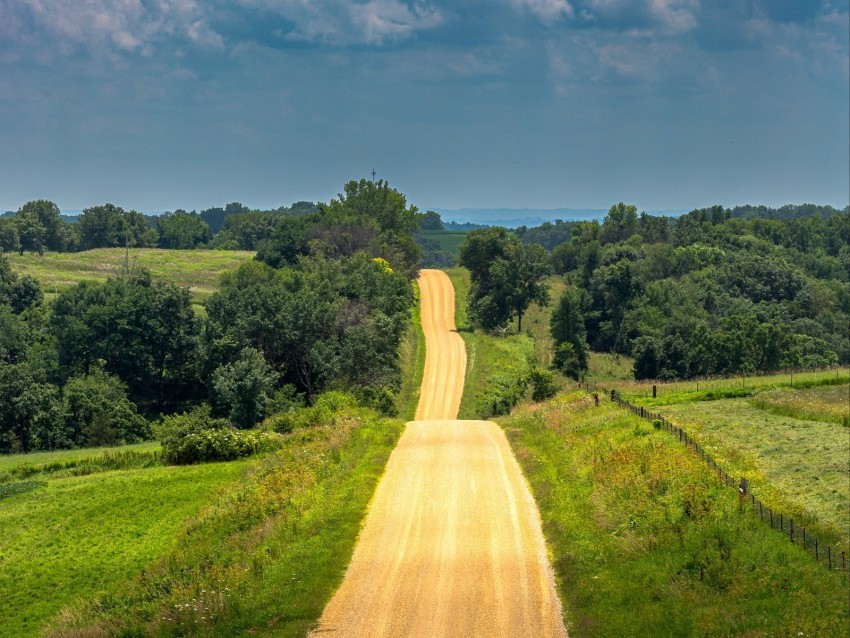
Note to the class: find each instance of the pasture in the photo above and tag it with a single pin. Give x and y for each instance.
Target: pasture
(197, 270)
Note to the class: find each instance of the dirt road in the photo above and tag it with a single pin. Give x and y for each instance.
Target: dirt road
(452, 545)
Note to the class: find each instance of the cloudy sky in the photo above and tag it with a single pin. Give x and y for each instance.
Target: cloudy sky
(667, 104)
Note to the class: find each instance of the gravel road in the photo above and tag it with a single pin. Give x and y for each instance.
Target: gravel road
(452, 545)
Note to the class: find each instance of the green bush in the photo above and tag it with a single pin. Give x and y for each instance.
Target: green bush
(543, 384)
(196, 437)
(323, 412)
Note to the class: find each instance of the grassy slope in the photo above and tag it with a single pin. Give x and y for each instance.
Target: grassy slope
(800, 467)
(645, 542)
(197, 270)
(79, 536)
(412, 359)
(267, 554)
(36, 461)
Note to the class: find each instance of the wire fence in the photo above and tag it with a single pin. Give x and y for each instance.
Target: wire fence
(821, 552)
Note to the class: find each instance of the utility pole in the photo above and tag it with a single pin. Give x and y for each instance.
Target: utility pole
(373, 175)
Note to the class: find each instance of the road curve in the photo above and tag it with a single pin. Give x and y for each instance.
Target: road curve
(445, 353)
(452, 546)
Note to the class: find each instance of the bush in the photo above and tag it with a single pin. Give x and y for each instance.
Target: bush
(325, 411)
(542, 384)
(196, 437)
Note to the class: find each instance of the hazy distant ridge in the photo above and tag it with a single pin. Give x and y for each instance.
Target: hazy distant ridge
(512, 217)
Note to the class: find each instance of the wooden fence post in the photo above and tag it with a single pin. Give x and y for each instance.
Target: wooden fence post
(654, 391)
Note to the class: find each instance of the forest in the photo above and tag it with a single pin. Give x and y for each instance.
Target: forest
(325, 303)
(323, 306)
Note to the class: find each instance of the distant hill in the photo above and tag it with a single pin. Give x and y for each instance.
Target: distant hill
(513, 217)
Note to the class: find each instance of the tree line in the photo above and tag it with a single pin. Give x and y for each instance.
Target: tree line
(39, 226)
(713, 292)
(322, 307)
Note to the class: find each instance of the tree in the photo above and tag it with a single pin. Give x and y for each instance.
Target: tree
(245, 387)
(9, 237)
(109, 226)
(98, 412)
(431, 221)
(47, 215)
(506, 276)
(568, 335)
(619, 224)
(31, 232)
(183, 230)
(144, 331)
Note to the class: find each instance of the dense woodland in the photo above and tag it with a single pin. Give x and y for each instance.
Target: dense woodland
(713, 292)
(326, 301)
(322, 307)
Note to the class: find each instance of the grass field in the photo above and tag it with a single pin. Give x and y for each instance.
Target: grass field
(78, 537)
(646, 542)
(830, 404)
(798, 466)
(265, 554)
(197, 270)
(449, 241)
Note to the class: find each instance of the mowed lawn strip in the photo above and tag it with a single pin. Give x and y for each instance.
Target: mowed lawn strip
(646, 542)
(798, 466)
(81, 536)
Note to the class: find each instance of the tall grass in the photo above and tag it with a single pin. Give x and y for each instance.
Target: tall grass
(646, 542)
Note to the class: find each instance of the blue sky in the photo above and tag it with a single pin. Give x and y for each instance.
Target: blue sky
(667, 104)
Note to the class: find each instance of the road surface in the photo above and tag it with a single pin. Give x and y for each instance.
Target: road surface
(452, 545)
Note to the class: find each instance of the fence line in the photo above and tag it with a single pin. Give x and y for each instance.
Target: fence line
(777, 520)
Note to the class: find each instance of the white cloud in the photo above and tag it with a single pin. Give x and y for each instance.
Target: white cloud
(345, 23)
(547, 10)
(676, 15)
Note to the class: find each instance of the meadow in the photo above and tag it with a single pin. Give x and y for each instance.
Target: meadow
(449, 241)
(645, 541)
(77, 537)
(265, 554)
(197, 270)
(800, 466)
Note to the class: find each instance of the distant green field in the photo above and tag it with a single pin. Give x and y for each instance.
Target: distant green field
(78, 537)
(449, 241)
(197, 270)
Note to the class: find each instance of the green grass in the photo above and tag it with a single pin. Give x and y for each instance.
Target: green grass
(708, 389)
(645, 541)
(800, 467)
(197, 270)
(412, 359)
(10, 462)
(266, 555)
(449, 241)
(79, 537)
(493, 364)
(603, 367)
(830, 404)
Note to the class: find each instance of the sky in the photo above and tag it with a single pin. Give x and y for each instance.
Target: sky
(666, 104)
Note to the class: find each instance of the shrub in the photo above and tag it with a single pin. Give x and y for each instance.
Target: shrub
(196, 437)
(542, 384)
(325, 411)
